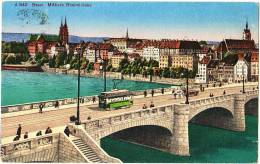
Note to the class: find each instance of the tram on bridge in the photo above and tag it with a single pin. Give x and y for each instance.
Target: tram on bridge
(115, 99)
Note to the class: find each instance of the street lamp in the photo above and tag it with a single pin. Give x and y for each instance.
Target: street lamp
(104, 68)
(79, 52)
(187, 87)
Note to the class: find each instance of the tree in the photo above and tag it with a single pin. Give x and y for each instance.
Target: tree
(10, 59)
(90, 66)
(166, 72)
(52, 61)
(4, 56)
(153, 63)
(60, 60)
(123, 64)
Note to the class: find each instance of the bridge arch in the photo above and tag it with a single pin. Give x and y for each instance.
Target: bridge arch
(162, 125)
(216, 117)
(149, 135)
(251, 106)
(226, 107)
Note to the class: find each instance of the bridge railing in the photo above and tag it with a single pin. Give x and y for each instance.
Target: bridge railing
(65, 101)
(48, 103)
(16, 147)
(126, 116)
(210, 100)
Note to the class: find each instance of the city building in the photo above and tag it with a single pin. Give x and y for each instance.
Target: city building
(116, 59)
(202, 75)
(244, 45)
(105, 50)
(41, 42)
(241, 69)
(122, 44)
(57, 49)
(151, 51)
(186, 61)
(254, 66)
(91, 52)
(164, 61)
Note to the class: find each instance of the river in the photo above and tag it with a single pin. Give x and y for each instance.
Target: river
(207, 144)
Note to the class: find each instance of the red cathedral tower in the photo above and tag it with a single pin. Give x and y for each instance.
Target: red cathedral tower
(64, 33)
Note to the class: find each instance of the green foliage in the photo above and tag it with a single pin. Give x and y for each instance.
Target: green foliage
(90, 66)
(3, 56)
(52, 61)
(59, 60)
(14, 47)
(153, 63)
(202, 42)
(10, 59)
(41, 58)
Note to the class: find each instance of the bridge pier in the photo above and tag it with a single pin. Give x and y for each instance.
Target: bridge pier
(238, 121)
(180, 138)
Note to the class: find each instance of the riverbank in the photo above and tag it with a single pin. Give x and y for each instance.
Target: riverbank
(118, 75)
(21, 67)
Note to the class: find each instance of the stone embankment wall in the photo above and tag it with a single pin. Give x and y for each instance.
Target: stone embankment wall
(54, 147)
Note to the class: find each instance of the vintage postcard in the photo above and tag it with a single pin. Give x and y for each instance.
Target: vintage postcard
(129, 82)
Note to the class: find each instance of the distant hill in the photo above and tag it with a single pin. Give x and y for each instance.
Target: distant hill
(19, 37)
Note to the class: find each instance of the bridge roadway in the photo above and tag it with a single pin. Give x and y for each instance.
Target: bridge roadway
(53, 118)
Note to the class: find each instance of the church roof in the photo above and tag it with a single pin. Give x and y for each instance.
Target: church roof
(47, 38)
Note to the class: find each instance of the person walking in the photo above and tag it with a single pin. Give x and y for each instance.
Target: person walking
(40, 108)
(56, 105)
(94, 99)
(25, 135)
(145, 93)
(224, 92)
(152, 92)
(19, 130)
(144, 106)
(162, 90)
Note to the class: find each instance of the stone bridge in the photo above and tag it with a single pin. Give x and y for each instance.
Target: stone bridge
(226, 111)
(163, 127)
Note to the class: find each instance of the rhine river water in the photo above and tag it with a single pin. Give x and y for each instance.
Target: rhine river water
(207, 144)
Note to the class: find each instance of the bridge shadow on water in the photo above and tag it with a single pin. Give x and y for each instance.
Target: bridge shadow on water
(207, 144)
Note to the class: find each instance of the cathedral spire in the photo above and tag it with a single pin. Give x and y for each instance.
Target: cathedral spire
(61, 24)
(246, 24)
(127, 34)
(65, 22)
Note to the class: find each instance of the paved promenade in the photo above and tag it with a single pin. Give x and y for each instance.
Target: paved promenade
(33, 121)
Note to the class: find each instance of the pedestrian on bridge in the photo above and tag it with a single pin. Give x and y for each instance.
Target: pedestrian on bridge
(16, 138)
(19, 130)
(25, 135)
(152, 92)
(224, 92)
(48, 130)
(56, 105)
(67, 131)
(40, 108)
(162, 90)
(39, 133)
(144, 106)
(145, 93)
(94, 99)
(151, 105)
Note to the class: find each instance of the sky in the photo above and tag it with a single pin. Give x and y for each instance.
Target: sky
(150, 20)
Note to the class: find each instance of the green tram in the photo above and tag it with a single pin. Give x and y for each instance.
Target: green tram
(115, 99)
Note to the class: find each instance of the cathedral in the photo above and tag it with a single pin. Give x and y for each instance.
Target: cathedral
(43, 43)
